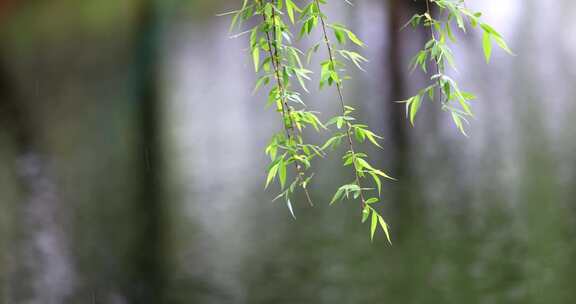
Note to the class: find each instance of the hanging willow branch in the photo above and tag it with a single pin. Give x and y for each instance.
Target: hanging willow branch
(331, 69)
(286, 110)
(283, 64)
(437, 52)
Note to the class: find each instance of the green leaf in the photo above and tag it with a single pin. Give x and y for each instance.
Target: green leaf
(337, 195)
(303, 73)
(365, 213)
(339, 123)
(340, 35)
(377, 181)
(373, 225)
(289, 205)
(449, 32)
(385, 228)
(324, 73)
(356, 58)
(256, 57)
(282, 172)
(460, 22)
(372, 138)
(333, 141)
(354, 38)
(349, 33)
(489, 29)
(254, 37)
(363, 164)
(371, 200)
(487, 45)
(502, 44)
(271, 174)
(261, 81)
(414, 107)
(458, 122)
(290, 9)
(383, 174)
(359, 134)
(233, 22)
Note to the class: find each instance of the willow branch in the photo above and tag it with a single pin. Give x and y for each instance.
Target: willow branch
(342, 103)
(290, 130)
(433, 36)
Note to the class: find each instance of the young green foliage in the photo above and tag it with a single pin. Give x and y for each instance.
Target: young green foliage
(279, 64)
(331, 74)
(452, 14)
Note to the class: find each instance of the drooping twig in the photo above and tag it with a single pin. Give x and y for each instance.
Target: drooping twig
(342, 103)
(289, 127)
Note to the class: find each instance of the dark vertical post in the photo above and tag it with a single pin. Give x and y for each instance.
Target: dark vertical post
(397, 91)
(399, 12)
(148, 253)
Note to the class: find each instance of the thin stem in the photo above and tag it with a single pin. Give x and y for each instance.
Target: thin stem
(436, 65)
(286, 110)
(429, 12)
(342, 103)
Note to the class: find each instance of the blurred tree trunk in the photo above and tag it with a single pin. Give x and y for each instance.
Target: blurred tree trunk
(397, 90)
(399, 12)
(42, 269)
(399, 52)
(148, 254)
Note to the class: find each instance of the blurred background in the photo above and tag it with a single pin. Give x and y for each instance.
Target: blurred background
(132, 164)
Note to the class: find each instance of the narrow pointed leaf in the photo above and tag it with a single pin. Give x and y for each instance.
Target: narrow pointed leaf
(385, 228)
(373, 225)
(487, 45)
(271, 174)
(289, 205)
(365, 214)
(256, 57)
(282, 172)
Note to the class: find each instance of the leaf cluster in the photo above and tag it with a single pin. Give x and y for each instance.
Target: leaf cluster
(280, 66)
(452, 14)
(284, 69)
